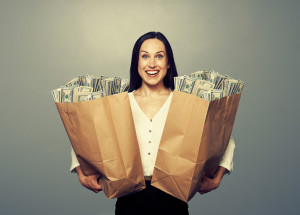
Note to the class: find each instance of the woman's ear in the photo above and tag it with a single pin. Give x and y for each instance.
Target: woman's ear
(168, 66)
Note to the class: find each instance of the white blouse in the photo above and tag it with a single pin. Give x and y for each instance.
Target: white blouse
(149, 132)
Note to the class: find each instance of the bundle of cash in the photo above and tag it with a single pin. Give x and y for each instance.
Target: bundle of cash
(89, 87)
(209, 85)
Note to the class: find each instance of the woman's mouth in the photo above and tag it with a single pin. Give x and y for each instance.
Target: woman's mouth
(152, 73)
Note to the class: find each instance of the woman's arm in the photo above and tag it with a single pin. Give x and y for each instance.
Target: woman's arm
(74, 161)
(227, 159)
(90, 182)
(225, 166)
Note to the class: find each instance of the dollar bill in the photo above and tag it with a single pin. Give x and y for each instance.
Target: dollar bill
(117, 85)
(197, 75)
(87, 98)
(82, 95)
(93, 95)
(240, 86)
(216, 94)
(219, 81)
(89, 81)
(231, 85)
(97, 95)
(81, 80)
(200, 91)
(66, 95)
(205, 95)
(97, 84)
(56, 95)
(187, 85)
(73, 83)
(179, 81)
(201, 84)
(80, 91)
(213, 76)
(124, 84)
(108, 86)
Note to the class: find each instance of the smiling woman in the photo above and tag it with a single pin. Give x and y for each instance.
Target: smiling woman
(152, 53)
(150, 94)
(153, 62)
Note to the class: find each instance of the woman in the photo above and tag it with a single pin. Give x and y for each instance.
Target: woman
(150, 93)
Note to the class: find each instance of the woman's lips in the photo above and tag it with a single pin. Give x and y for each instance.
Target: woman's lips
(152, 73)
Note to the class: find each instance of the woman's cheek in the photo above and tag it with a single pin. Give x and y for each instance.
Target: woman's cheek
(143, 64)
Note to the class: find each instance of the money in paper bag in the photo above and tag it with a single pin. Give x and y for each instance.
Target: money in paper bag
(194, 139)
(103, 137)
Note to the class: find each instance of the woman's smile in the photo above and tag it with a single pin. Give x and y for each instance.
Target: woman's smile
(152, 73)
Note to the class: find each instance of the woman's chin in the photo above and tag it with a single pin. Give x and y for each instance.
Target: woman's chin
(153, 83)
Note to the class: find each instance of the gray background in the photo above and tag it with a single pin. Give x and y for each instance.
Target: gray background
(44, 44)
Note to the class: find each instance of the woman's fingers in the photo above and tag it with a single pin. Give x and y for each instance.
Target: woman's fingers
(91, 182)
(208, 185)
(94, 184)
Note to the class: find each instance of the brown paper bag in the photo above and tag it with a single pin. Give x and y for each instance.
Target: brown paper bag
(195, 137)
(194, 140)
(103, 137)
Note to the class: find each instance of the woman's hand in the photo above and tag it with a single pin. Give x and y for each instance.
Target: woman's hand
(208, 184)
(90, 182)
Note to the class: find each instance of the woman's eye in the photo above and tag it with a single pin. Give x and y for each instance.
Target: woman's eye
(144, 56)
(159, 56)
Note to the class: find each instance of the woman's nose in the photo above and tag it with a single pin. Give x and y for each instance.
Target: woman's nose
(152, 62)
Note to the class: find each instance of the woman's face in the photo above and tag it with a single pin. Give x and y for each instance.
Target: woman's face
(153, 62)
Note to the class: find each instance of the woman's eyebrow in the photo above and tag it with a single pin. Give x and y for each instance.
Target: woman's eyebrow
(156, 52)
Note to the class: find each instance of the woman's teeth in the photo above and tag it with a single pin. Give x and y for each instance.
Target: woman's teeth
(152, 72)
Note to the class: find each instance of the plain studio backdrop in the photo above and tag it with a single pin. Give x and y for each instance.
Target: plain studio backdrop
(44, 44)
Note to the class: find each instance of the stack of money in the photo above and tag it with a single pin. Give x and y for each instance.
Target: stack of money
(209, 85)
(89, 87)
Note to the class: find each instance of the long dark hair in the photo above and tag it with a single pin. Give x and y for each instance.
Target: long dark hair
(135, 79)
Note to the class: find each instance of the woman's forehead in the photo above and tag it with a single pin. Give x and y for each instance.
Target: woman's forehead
(153, 46)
